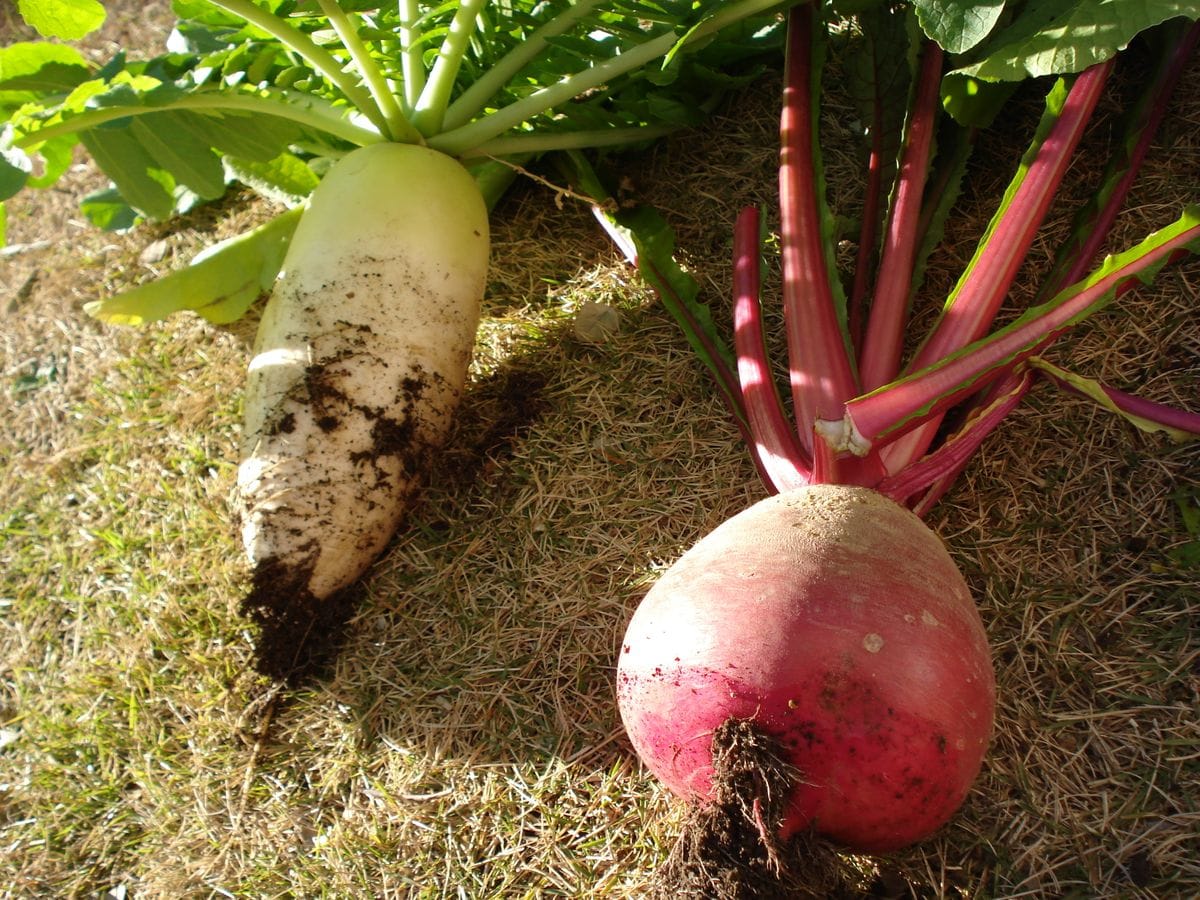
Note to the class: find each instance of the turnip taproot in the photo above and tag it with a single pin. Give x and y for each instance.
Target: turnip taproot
(358, 365)
(835, 620)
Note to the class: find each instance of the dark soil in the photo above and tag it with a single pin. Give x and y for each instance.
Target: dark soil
(731, 850)
(298, 634)
(496, 413)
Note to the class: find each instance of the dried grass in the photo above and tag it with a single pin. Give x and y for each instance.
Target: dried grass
(467, 743)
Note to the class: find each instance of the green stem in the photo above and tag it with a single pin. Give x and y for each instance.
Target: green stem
(410, 53)
(398, 126)
(472, 100)
(461, 140)
(318, 57)
(430, 109)
(734, 12)
(306, 112)
(563, 140)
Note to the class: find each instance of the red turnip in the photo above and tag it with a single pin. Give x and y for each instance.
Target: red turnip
(835, 621)
(816, 665)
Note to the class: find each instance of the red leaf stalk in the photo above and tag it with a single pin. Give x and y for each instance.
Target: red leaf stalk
(821, 375)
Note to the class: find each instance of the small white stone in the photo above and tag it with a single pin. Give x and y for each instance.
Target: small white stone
(596, 322)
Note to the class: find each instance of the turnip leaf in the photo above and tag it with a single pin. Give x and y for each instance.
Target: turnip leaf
(878, 78)
(936, 470)
(976, 298)
(1172, 45)
(774, 443)
(958, 25)
(1055, 37)
(912, 401)
(1146, 415)
(884, 337)
(820, 368)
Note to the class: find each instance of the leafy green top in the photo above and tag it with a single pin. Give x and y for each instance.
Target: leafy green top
(268, 91)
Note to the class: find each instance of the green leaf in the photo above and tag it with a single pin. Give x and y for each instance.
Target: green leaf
(1055, 37)
(958, 25)
(108, 211)
(189, 160)
(1094, 391)
(905, 403)
(973, 102)
(121, 157)
(41, 67)
(878, 77)
(1187, 554)
(14, 170)
(1188, 502)
(255, 138)
(286, 178)
(57, 156)
(66, 19)
(220, 284)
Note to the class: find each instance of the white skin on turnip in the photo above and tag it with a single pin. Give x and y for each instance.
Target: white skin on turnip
(359, 362)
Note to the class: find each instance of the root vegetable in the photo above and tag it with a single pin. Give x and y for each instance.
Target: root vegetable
(358, 365)
(834, 620)
(365, 345)
(816, 663)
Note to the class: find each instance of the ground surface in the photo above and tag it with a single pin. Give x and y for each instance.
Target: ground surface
(466, 743)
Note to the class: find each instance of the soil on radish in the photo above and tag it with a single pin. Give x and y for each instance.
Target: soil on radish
(729, 849)
(298, 634)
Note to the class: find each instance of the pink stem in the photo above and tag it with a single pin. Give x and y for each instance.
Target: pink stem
(781, 456)
(915, 401)
(880, 361)
(977, 299)
(940, 468)
(864, 258)
(820, 372)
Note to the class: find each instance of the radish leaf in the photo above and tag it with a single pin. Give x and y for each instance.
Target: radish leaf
(15, 167)
(181, 153)
(285, 179)
(66, 19)
(39, 66)
(108, 211)
(148, 188)
(219, 284)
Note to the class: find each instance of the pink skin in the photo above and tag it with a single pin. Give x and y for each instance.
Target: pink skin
(873, 669)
